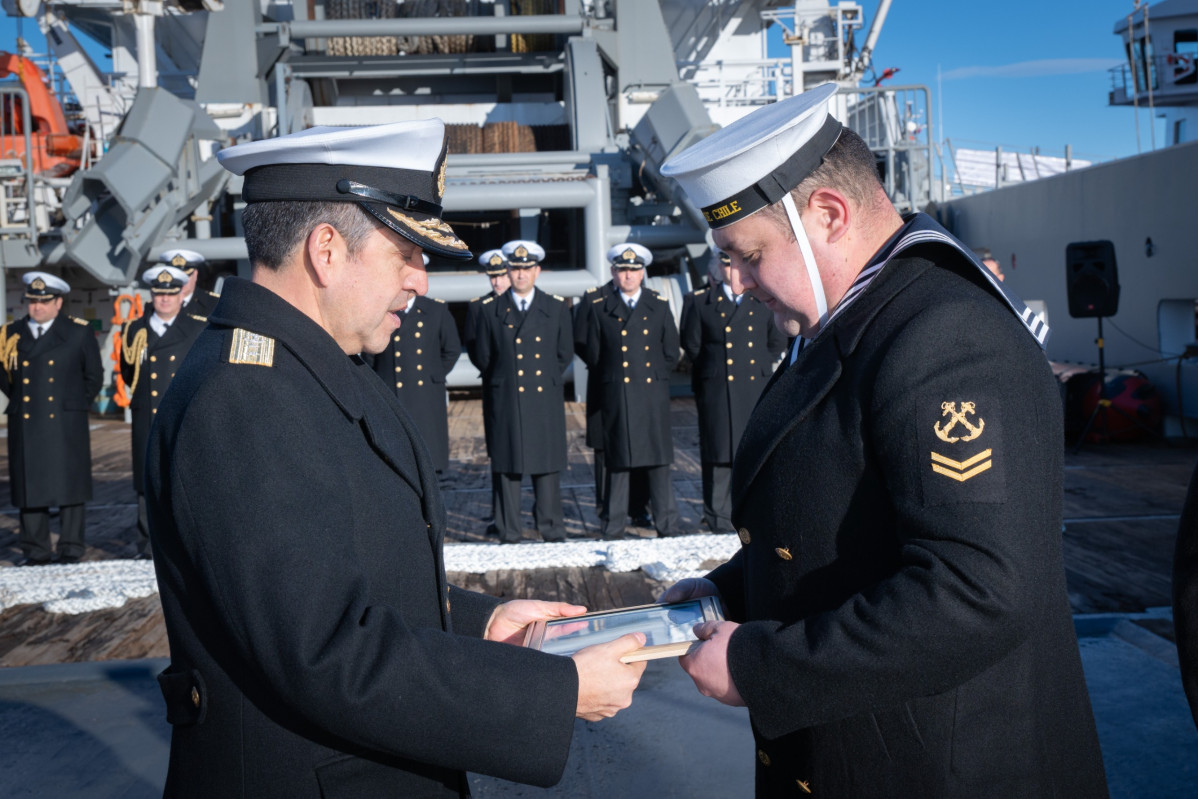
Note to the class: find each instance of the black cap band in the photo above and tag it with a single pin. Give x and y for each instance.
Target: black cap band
(774, 186)
(342, 183)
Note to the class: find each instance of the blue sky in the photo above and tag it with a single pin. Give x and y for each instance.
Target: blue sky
(1017, 73)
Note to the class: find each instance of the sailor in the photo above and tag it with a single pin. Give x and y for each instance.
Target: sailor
(630, 348)
(196, 301)
(152, 350)
(316, 647)
(51, 375)
(523, 344)
(494, 264)
(898, 623)
(732, 343)
(422, 353)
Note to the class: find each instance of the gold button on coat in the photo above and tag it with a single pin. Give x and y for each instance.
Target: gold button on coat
(784, 553)
(763, 757)
(744, 535)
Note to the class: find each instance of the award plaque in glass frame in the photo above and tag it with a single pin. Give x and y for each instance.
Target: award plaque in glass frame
(667, 629)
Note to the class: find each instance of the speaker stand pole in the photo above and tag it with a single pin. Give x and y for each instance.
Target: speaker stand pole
(1103, 403)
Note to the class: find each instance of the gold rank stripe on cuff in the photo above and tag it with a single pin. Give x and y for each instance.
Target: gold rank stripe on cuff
(962, 470)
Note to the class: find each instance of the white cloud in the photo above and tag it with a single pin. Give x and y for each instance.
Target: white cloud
(1035, 69)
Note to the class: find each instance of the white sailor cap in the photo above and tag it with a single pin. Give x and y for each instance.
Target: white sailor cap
(396, 172)
(187, 260)
(523, 253)
(164, 279)
(494, 262)
(755, 161)
(43, 285)
(629, 256)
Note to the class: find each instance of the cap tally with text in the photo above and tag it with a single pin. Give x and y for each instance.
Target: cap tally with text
(42, 285)
(396, 172)
(187, 260)
(493, 262)
(164, 279)
(755, 161)
(522, 252)
(629, 256)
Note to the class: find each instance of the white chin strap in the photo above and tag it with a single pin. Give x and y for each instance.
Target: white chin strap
(817, 285)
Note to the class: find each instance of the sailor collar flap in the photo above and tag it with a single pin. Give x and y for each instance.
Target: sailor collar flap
(247, 306)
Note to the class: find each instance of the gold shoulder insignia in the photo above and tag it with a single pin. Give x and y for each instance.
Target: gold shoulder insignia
(488, 299)
(438, 299)
(79, 321)
(558, 297)
(598, 299)
(198, 318)
(701, 291)
(252, 348)
(213, 294)
(592, 289)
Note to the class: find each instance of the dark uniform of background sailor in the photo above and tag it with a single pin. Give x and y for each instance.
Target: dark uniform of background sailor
(196, 301)
(631, 347)
(522, 346)
(494, 263)
(423, 352)
(51, 373)
(152, 350)
(732, 343)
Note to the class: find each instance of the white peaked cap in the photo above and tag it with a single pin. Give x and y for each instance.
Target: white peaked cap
(396, 172)
(755, 161)
(522, 251)
(44, 284)
(629, 254)
(164, 279)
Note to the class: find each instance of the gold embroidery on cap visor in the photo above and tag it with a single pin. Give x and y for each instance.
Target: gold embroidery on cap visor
(434, 230)
(441, 178)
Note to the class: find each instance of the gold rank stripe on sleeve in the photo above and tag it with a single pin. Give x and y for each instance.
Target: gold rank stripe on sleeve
(962, 470)
(252, 348)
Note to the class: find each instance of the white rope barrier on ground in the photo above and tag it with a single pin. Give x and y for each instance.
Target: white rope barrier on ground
(96, 585)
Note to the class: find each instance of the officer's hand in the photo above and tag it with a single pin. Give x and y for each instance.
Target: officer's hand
(508, 622)
(690, 588)
(707, 662)
(605, 685)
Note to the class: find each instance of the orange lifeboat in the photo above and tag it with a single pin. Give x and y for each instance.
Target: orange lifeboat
(56, 151)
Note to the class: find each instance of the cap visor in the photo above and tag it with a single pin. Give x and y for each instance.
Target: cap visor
(431, 234)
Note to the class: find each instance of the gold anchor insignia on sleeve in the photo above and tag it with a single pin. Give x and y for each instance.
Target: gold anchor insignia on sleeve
(958, 417)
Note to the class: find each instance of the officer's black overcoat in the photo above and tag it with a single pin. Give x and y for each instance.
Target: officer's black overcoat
(161, 358)
(51, 383)
(632, 356)
(422, 353)
(594, 400)
(898, 496)
(523, 361)
(732, 348)
(201, 303)
(297, 530)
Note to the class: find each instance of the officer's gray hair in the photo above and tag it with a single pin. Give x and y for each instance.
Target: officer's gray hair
(850, 168)
(274, 229)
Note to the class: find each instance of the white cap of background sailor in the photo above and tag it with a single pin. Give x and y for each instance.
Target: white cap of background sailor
(756, 161)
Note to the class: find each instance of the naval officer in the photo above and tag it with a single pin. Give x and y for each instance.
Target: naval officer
(422, 353)
(631, 347)
(51, 374)
(732, 342)
(523, 344)
(316, 647)
(898, 623)
(196, 301)
(152, 350)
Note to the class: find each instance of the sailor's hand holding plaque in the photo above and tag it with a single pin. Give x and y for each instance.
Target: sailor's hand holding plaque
(706, 661)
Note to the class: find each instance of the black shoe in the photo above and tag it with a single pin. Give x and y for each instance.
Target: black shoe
(69, 558)
(492, 530)
(615, 536)
(642, 521)
(27, 561)
(143, 556)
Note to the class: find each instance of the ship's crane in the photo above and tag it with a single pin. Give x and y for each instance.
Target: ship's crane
(57, 152)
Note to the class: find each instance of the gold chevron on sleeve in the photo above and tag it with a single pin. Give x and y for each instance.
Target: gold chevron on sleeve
(962, 470)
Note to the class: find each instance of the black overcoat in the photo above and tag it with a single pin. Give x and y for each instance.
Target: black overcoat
(422, 353)
(1185, 595)
(523, 361)
(316, 647)
(732, 348)
(594, 400)
(905, 625)
(150, 372)
(50, 383)
(632, 355)
(201, 303)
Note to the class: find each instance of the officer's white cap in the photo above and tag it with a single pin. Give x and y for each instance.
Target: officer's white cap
(187, 260)
(494, 262)
(755, 161)
(629, 254)
(521, 252)
(164, 279)
(396, 172)
(43, 284)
